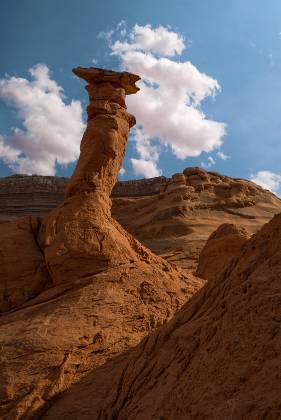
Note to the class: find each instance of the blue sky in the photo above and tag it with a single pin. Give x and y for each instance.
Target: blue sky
(235, 42)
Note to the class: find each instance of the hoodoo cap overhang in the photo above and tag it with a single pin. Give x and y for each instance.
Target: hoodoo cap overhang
(94, 75)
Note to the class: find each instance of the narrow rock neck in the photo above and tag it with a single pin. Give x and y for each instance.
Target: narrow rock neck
(104, 142)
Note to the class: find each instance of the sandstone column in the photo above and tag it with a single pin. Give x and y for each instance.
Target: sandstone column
(104, 142)
(79, 238)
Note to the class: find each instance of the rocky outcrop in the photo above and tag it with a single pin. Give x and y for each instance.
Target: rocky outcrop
(224, 244)
(22, 195)
(177, 222)
(104, 290)
(219, 358)
(172, 216)
(79, 238)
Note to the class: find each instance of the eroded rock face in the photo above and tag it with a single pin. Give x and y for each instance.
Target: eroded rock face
(224, 244)
(218, 358)
(177, 222)
(106, 290)
(79, 238)
(172, 216)
(23, 272)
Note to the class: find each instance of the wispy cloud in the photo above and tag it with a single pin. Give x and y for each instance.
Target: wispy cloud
(222, 155)
(210, 162)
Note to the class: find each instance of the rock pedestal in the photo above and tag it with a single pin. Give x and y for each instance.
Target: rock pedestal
(84, 289)
(104, 142)
(79, 238)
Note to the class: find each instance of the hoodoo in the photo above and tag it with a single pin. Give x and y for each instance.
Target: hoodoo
(82, 228)
(96, 290)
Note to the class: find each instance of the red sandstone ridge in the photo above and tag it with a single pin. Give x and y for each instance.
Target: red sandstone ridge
(218, 358)
(224, 244)
(84, 290)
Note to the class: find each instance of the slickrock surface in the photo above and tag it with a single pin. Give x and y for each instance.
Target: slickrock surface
(103, 291)
(224, 244)
(218, 358)
(173, 217)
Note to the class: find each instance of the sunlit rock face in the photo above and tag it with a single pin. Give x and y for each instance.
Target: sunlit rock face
(174, 216)
(81, 229)
(218, 358)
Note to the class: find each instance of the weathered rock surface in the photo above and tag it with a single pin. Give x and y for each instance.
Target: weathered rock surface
(79, 238)
(218, 358)
(177, 222)
(103, 291)
(23, 272)
(173, 217)
(224, 244)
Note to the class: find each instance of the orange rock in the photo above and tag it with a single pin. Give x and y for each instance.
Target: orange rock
(107, 291)
(79, 238)
(218, 358)
(171, 217)
(23, 272)
(224, 244)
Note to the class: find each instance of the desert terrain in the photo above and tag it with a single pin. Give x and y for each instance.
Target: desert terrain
(148, 299)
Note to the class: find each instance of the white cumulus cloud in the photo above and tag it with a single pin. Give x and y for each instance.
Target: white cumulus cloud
(144, 38)
(167, 107)
(146, 168)
(51, 130)
(149, 155)
(268, 180)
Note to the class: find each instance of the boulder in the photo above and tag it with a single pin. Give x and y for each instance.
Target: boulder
(224, 244)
